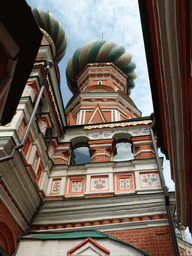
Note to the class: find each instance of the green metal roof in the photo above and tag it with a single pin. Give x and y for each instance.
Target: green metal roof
(74, 235)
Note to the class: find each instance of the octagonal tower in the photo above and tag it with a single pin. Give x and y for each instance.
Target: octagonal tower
(100, 74)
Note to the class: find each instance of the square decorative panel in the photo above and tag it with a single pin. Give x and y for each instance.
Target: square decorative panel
(149, 180)
(75, 186)
(124, 183)
(56, 185)
(100, 183)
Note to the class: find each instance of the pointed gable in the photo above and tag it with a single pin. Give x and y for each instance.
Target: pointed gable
(97, 116)
(89, 247)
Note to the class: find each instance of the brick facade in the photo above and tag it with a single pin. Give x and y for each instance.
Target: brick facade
(155, 241)
(9, 230)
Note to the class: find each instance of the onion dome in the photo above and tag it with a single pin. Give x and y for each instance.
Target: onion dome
(52, 29)
(100, 51)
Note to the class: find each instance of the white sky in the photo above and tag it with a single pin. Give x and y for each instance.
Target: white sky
(86, 20)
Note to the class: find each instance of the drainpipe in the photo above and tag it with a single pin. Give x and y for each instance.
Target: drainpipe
(166, 194)
(48, 65)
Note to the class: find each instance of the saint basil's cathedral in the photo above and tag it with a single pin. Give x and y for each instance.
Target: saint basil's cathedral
(84, 180)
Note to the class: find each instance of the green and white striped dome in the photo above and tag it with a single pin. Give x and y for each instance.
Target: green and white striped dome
(100, 51)
(54, 29)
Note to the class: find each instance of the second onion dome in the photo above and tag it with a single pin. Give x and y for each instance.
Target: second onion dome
(53, 30)
(100, 51)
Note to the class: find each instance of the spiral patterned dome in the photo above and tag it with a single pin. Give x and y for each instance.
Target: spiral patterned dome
(100, 51)
(54, 29)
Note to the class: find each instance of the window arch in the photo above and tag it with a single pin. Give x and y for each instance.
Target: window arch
(81, 154)
(123, 150)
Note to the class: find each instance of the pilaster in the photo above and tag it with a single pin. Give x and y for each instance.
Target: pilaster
(63, 153)
(142, 147)
(101, 150)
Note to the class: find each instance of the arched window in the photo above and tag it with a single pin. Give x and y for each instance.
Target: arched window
(123, 151)
(123, 147)
(82, 155)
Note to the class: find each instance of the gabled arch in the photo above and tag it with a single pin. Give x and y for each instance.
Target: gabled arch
(79, 141)
(99, 249)
(122, 137)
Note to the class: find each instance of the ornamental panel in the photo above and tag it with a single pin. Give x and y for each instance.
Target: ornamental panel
(55, 187)
(124, 183)
(148, 180)
(99, 183)
(75, 186)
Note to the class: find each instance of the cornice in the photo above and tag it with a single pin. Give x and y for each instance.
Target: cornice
(106, 224)
(101, 66)
(107, 95)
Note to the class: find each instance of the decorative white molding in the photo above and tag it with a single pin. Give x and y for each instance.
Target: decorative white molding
(100, 145)
(144, 151)
(61, 157)
(101, 115)
(100, 154)
(142, 142)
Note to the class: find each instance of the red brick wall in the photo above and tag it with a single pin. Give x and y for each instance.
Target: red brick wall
(155, 241)
(9, 230)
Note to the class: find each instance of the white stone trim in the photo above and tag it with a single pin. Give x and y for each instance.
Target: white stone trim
(100, 145)
(100, 154)
(97, 109)
(144, 151)
(60, 148)
(61, 157)
(143, 142)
